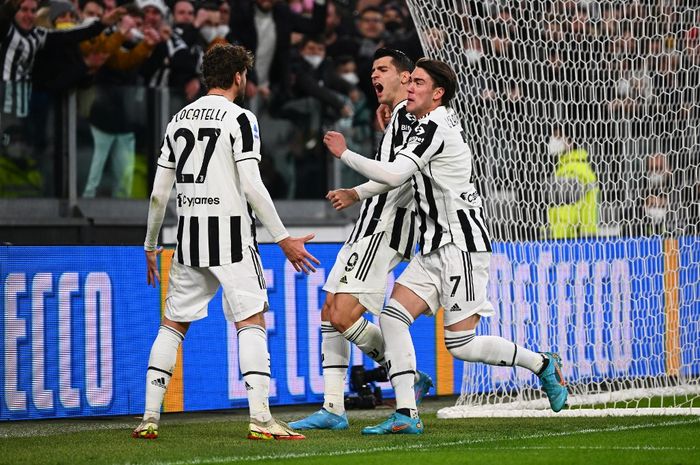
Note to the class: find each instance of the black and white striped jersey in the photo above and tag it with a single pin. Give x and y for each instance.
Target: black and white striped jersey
(391, 212)
(170, 57)
(449, 207)
(17, 53)
(203, 144)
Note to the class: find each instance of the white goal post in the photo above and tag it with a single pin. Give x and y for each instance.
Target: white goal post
(593, 103)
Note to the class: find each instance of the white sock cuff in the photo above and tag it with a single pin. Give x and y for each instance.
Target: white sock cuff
(456, 339)
(171, 332)
(255, 328)
(355, 331)
(394, 309)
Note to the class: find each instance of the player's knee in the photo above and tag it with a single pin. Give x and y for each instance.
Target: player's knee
(340, 320)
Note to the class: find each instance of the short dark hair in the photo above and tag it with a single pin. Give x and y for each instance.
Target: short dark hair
(442, 75)
(222, 62)
(398, 59)
(315, 38)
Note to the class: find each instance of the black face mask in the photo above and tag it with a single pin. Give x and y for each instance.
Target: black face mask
(392, 26)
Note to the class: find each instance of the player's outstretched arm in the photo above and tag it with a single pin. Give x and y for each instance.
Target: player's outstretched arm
(259, 198)
(162, 185)
(344, 198)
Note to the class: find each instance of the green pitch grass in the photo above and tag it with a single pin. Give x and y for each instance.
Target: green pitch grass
(219, 438)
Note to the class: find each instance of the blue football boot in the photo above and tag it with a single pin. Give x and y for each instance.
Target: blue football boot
(397, 423)
(553, 382)
(422, 386)
(323, 419)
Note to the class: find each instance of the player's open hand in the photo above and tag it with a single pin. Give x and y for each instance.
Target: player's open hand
(296, 253)
(335, 142)
(343, 198)
(152, 274)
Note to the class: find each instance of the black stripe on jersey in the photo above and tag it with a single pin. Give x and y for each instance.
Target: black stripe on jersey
(213, 232)
(180, 226)
(396, 229)
(368, 258)
(236, 246)
(376, 215)
(427, 135)
(432, 212)
(247, 158)
(410, 246)
(19, 51)
(484, 235)
(166, 167)
(466, 230)
(423, 220)
(171, 156)
(363, 214)
(194, 241)
(253, 229)
(246, 133)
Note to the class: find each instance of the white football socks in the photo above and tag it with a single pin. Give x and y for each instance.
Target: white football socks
(400, 353)
(254, 363)
(161, 364)
(335, 357)
(493, 350)
(368, 338)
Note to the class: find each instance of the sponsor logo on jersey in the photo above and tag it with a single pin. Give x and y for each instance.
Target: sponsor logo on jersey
(471, 198)
(256, 133)
(183, 200)
(455, 308)
(415, 140)
(344, 280)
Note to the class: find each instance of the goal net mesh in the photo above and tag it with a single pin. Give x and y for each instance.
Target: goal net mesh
(583, 119)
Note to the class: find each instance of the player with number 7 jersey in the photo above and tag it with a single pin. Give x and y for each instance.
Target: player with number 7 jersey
(211, 151)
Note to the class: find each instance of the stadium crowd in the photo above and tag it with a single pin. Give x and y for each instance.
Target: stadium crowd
(312, 63)
(602, 73)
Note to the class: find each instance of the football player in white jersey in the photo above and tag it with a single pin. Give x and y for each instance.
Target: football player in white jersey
(211, 151)
(384, 235)
(452, 269)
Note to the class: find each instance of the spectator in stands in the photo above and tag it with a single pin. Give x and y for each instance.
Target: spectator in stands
(265, 27)
(573, 196)
(19, 33)
(117, 106)
(171, 65)
(371, 34)
(320, 96)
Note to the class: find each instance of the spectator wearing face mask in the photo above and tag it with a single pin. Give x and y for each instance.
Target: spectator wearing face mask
(573, 195)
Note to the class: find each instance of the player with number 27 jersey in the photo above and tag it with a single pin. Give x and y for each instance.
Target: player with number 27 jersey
(203, 143)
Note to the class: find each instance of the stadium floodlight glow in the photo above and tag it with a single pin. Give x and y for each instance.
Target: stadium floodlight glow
(614, 86)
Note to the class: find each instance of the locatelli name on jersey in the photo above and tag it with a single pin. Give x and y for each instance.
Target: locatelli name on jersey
(185, 201)
(200, 114)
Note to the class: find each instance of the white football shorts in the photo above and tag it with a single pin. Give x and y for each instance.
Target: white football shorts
(191, 288)
(361, 269)
(452, 279)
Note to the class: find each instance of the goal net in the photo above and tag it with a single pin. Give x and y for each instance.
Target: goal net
(583, 118)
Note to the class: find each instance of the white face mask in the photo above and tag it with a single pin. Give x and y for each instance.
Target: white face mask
(656, 214)
(222, 30)
(209, 33)
(556, 145)
(656, 179)
(351, 78)
(314, 60)
(473, 56)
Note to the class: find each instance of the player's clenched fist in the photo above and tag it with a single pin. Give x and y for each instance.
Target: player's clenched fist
(335, 142)
(342, 198)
